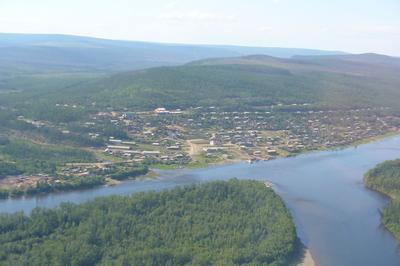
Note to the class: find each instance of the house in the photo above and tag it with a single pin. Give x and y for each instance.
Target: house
(161, 110)
(215, 141)
(173, 148)
(117, 141)
(129, 143)
(118, 147)
(213, 149)
(272, 152)
(257, 153)
(151, 153)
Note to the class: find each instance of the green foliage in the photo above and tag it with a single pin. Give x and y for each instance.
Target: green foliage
(126, 171)
(221, 223)
(33, 158)
(57, 114)
(9, 121)
(111, 130)
(4, 193)
(7, 168)
(4, 140)
(233, 83)
(44, 82)
(54, 185)
(385, 178)
(66, 184)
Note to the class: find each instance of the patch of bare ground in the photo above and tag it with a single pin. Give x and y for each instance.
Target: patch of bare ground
(21, 182)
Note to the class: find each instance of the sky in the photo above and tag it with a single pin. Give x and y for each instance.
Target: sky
(355, 26)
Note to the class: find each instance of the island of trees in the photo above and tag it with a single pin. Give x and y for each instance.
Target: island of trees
(220, 223)
(385, 178)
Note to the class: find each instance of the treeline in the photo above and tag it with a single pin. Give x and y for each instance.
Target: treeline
(385, 178)
(59, 183)
(19, 157)
(8, 168)
(125, 171)
(220, 223)
(229, 85)
(185, 86)
(67, 183)
(54, 135)
(55, 114)
(48, 111)
(104, 127)
(46, 186)
(28, 157)
(9, 121)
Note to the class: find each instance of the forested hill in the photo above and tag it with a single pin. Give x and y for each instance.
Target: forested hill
(221, 223)
(352, 81)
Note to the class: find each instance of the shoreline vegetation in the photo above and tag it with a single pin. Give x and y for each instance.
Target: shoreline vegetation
(140, 171)
(46, 184)
(237, 160)
(197, 226)
(385, 179)
(308, 259)
(249, 107)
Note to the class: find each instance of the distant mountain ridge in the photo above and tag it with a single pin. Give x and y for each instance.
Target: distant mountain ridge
(44, 53)
(137, 75)
(356, 64)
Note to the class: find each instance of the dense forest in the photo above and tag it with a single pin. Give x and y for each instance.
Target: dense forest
(19, 156)
(219, 223)
(31, 158)
(385, 178)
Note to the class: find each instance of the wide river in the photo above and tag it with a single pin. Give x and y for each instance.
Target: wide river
(335, 216)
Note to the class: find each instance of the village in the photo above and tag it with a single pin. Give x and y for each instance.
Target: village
(208, 135)
(131, 142)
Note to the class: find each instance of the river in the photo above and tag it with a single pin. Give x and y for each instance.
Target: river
(336, 217)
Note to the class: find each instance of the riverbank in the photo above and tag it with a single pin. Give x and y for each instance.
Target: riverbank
(308, 259)
(354, 144)
(203, 164)
(373, 139)
(163, 219)
(309, 185)
(385, 179)
(18, 192)
(50, 185)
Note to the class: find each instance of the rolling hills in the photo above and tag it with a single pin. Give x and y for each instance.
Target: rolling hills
(255, 81)
(258, 80)
(45, 53)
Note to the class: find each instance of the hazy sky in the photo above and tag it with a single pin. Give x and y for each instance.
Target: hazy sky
(349, 25)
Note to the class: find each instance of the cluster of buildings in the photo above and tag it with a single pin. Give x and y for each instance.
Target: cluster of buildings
(163, 135)
(162, 151)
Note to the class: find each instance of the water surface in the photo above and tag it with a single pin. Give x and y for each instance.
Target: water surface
(335, 216)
